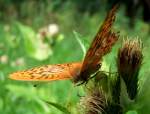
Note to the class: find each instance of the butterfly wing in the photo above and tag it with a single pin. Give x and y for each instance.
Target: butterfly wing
(48, 72)
(100, 46)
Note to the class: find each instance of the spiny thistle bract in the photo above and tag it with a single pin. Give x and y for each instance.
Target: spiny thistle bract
(95, 102)
(129, 63)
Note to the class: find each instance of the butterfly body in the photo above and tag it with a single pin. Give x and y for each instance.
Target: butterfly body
(82, 76)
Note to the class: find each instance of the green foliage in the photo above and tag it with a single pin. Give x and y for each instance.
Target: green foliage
(33, 44)
(61, 108)
(81, 42)
(131, 112)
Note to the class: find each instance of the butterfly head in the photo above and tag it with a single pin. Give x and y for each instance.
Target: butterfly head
(84, 76)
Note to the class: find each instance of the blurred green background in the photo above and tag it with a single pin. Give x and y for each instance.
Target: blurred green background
(34, 33)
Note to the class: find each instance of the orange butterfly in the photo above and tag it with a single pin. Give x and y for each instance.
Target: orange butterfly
(79, 72)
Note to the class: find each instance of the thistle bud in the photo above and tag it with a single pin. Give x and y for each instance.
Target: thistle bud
(94, 102)
(129, 63)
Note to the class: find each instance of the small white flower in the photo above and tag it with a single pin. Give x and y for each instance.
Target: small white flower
(4, 59)
(53, 29)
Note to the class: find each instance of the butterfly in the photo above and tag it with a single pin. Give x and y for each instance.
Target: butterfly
(80, 72)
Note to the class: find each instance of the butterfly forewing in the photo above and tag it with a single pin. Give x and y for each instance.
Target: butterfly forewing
(48, 72)
(100, 46)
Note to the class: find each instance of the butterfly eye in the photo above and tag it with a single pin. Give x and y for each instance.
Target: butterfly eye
(98, 66)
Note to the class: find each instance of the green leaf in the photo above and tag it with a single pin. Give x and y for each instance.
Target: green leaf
(61, 108)
(132, 112)
(81, 42)
(29, 93)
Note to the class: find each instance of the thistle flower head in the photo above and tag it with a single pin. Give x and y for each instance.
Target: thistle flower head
(129, 62)
(95, 102)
